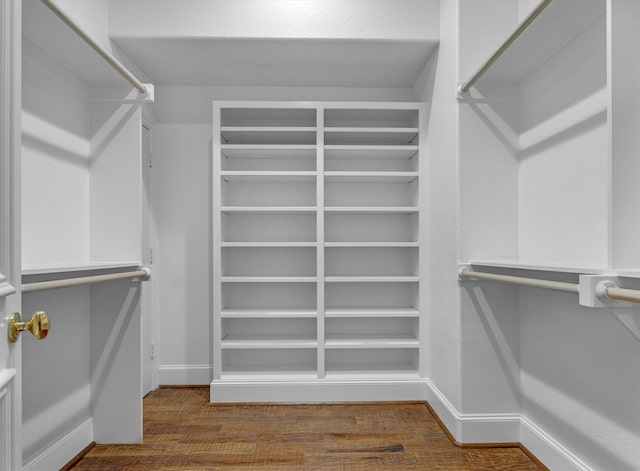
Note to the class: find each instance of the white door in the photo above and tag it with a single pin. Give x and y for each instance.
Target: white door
(10, 360)
(146, 303)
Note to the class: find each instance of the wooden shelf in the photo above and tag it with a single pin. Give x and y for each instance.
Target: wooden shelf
(256, 151)
(371, 341)
(370, 152)
(371, 209)
(372, 244)
(268, 342)
(268, 244)
(556, 26)
(269, 279)
(371, 312)
(268, 313)
(268, 176)
(29, 270)
(268, 129)
(370, 136)
(269, 209)
(371, 177)
(528, 265)
(372, 279)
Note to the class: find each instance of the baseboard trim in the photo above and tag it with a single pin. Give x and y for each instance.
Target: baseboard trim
(76, 459)
(64, 450)
(473, 430)
(547, 449)
(199, 375)
(318, 391)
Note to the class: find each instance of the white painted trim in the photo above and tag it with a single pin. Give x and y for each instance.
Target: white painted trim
(5, 378)
(5, 287)
(185, 374)
(63, 450)
(503, 428)
(318, 391)
(445, 411)
(547, 449)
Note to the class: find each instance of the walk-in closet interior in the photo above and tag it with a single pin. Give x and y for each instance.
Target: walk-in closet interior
(335, 200)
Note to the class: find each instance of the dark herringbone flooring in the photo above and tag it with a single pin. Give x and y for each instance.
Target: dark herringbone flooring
(183, 431)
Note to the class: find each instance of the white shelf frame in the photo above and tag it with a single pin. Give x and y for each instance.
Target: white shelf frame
(322, 154)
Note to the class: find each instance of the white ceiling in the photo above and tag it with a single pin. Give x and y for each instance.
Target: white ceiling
(368, 63)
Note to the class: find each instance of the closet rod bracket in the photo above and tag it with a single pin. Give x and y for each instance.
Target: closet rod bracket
(603, 291)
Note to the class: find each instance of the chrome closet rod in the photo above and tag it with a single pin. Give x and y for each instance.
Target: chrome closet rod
(85, 280)
(112, 61)
(464, 88)
(518, 280)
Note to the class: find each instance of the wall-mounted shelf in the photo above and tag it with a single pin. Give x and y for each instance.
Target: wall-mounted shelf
(268, 313)
(523, 265)
(372, 312)
(268, 244)
(371, 341)
(32, 270)
(370, 151)
(269, 209)
(371, 210)
(268, 279)
(267, 341)
(371, 177)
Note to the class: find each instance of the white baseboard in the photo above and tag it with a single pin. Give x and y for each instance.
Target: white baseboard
(185, 375)
(474, 428)
(548, 450)
(321, 391)
(63, 450)
(503, 428)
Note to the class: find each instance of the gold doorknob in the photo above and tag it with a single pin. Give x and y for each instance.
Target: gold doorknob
(38, 326)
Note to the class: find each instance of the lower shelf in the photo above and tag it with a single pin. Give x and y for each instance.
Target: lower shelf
(371, 341)
(261, 376)
(258, 361)
(268, 341)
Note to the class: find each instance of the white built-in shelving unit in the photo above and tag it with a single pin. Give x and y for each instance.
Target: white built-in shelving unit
(316, 223)
(555, 192)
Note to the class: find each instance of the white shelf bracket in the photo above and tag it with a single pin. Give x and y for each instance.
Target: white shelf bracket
(593, 291)
(132, 97)
(460, 93)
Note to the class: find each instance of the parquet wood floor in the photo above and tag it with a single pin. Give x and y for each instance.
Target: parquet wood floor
(183, 431)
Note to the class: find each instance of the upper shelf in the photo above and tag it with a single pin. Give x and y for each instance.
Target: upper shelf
(268, 135)
(55, 271)
(536, 266)
(268, 117)
(271, 151)
(557, 25)
(370, 151)
(43, 29)
(370, 136)
(371, 118)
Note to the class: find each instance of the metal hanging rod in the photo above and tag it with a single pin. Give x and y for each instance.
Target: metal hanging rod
(112, 61)
(143, 274)
(463, 88)
(518, 280)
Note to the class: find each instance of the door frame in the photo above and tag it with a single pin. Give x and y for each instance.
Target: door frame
(10, 273)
